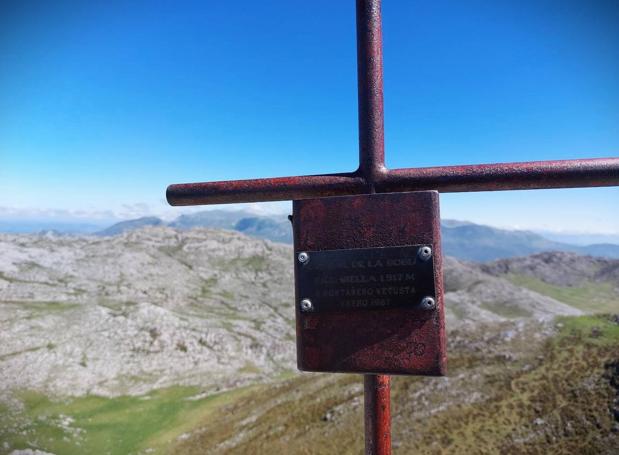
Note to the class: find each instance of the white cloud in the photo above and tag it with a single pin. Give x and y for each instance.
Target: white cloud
(56, 214)
(134, 210)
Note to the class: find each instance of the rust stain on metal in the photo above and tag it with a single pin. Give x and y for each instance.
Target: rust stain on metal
(390, 340)
(370, 92)
(377, 414)
(581, 173)
(506, 176)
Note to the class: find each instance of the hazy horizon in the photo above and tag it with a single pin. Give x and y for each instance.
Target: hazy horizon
(77, 222)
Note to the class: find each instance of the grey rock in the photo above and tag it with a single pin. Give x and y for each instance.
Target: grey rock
(158, 306)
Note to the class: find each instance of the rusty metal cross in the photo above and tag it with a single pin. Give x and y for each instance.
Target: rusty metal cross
(373, 177)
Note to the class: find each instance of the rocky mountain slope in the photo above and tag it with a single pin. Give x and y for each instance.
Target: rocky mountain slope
(184, 337)
(145, 309)
(559, 269)
(158, 306)
(585, 282)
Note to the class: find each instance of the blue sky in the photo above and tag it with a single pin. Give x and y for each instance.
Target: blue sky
(103, 104)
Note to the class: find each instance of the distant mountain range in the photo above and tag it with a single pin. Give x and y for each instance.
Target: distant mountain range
(462, 240)
(131, 225)
(275, 228)
(476, 242)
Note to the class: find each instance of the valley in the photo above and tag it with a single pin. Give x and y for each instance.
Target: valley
(162, 340)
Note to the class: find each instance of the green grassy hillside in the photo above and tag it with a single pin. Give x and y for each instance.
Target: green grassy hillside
(508, 391)
(556, 397)
(589, 297)
(98, 425)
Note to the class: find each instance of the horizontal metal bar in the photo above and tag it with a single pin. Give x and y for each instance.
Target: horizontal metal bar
(446, 179)
(270, 189)
(504, 176)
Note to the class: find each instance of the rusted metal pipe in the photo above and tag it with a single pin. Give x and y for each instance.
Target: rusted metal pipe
(377, 410)
(594, 172)
(377, 388)
(370, 90)
(505, 176)
(270, 189)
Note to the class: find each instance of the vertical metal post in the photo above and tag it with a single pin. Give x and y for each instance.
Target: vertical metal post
(377, 388)
(377, 410)
(370, 91)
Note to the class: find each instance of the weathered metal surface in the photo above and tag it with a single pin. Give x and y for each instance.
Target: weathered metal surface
(366, 279)
(399, 340)
(596, 172)
(370, 91)
(505, 176)
(371, 165)
(272, 189)
(377, 413)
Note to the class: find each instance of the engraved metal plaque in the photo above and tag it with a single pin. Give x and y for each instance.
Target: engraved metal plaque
(366, 278)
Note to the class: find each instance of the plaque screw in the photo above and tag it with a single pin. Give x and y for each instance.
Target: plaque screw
(425, 253)
(427, 303)
(306, 305)
(303, 257)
